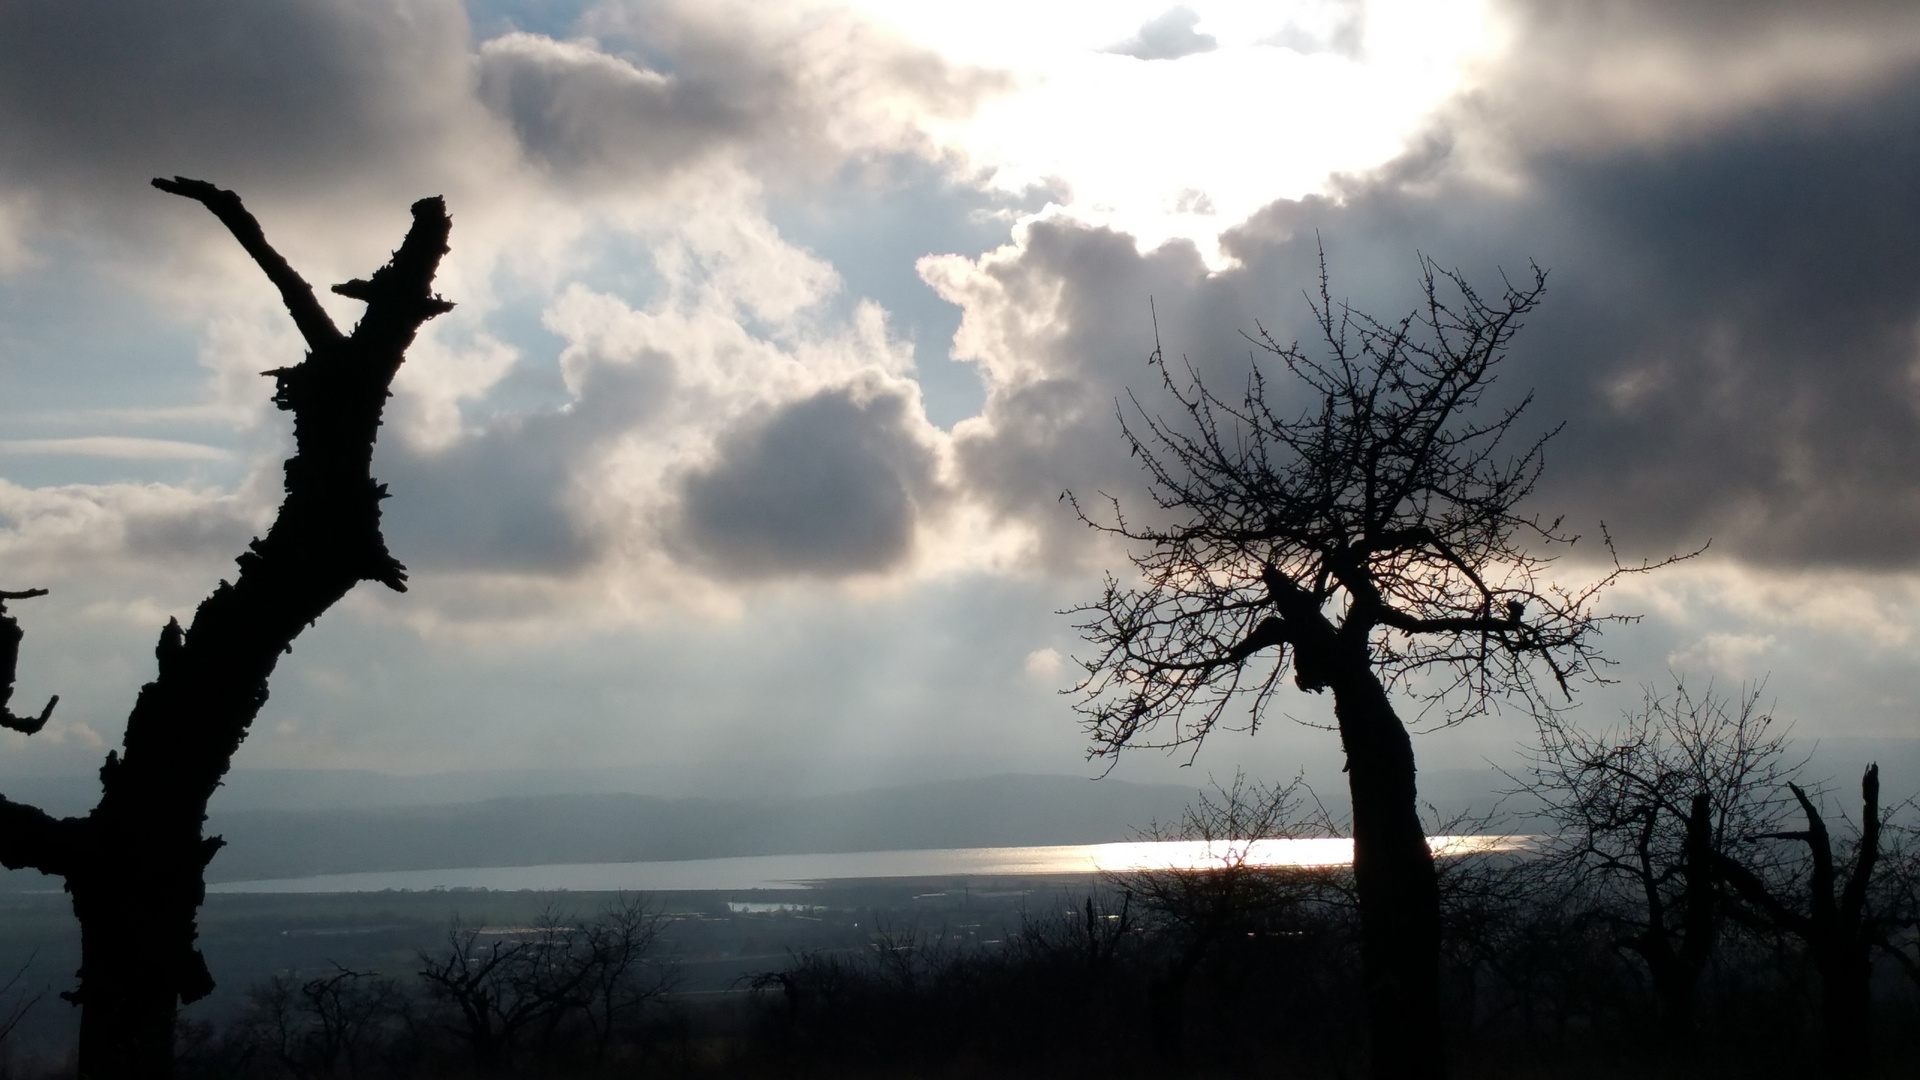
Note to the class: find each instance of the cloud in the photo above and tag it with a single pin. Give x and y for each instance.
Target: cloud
(114, 446)
(829, 485)
(573, 106)
(733, 425)
(1728, 655)
(1043, 664)
(750, 83)
(1639, 72)
(85, 530)
(290, 96)
(500, 499)
(1331, 27)
(1732, 329)
(1167, 36)
(654, 399)
(614, 184)
(1061, 325)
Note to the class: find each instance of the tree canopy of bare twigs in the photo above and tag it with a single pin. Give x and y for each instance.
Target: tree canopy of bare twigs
(1388, 510)
(501, 987)
(1197, 909)
(1620, 799)
(1647, 817)
(1204, 901)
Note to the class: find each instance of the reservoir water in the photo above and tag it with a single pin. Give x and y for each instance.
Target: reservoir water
(802, 871)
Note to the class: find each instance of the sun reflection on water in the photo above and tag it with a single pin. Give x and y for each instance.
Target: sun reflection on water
(805, 871)
(1311, 852)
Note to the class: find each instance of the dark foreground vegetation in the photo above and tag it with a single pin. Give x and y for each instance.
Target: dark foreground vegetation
(1102, 985)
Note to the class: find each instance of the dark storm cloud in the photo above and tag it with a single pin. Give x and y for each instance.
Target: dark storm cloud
(1167, 36)
(829, 485)
(503, 499)
(1052, 424)
(576, 108)
(1624, 71)
(257, 94)
(1731, 324)
(1761, 383)
(1732, 330)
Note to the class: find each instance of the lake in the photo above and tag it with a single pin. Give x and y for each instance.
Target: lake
(801, 871)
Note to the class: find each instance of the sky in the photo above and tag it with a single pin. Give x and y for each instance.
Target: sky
(782, 327)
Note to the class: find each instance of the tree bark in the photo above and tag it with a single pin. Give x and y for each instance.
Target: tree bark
(1675, 966)
(135, 865)
(1398, 889)
(1393, 874)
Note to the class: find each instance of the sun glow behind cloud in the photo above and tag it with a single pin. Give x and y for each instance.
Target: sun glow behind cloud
(1273, 100)
(687, 393)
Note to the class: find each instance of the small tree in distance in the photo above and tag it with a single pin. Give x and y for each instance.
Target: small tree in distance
(1201, 908)
(1645, 818)
(1372, 543)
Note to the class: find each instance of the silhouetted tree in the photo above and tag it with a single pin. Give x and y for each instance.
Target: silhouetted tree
(1837, 924)
(624, 972)
(1647, 816)
(135, 865)
(1371, 543)
(328, 1024)
(502, 987)
(493, 990)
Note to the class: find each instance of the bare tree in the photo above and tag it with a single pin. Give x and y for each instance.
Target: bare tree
(1199, 908)
(317, 1027)
(625, 972)
(502, 987)
(1646, 817)
(135, 865)
(493, 989)
(1372, 543)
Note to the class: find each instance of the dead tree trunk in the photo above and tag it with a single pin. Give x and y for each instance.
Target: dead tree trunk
(1837, 927)
(1676, 961)
(135, 865)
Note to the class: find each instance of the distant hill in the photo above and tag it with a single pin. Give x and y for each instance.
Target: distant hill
(294, 823)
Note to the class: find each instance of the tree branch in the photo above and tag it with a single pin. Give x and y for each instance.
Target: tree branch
(10, 635)
(1388, 615)
(1853, 897)
(1271, 631)
(307, 313)
(31, 838)
(1754, 891)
